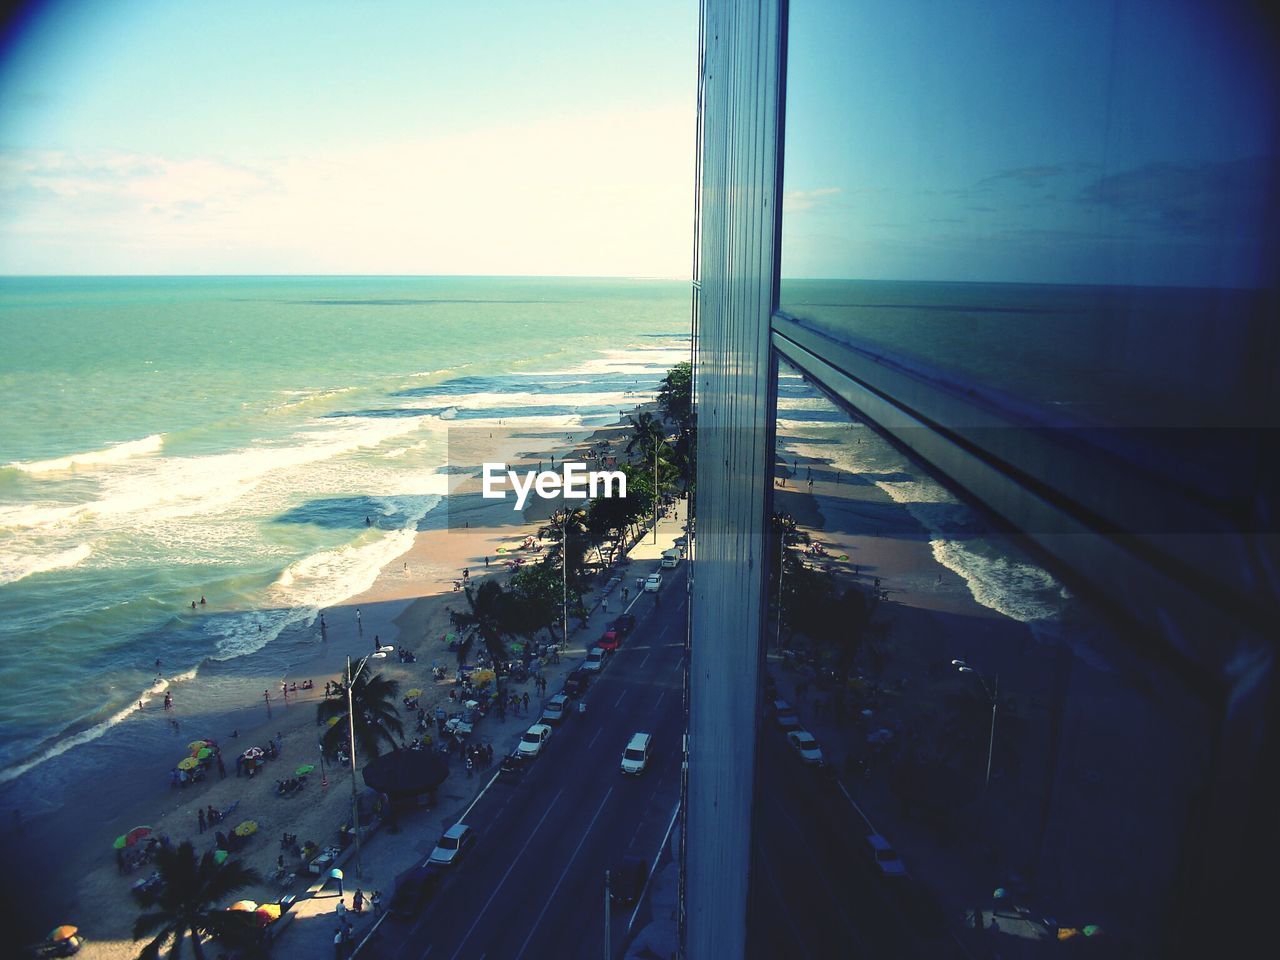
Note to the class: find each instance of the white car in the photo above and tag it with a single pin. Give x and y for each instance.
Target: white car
(457, 840)
(670, 559)
(885, 859)
(532, 741)
(653, 583)
(785, 716)
(594, 661)
(805, 746)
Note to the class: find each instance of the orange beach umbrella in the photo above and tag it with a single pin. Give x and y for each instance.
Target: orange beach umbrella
(64, 932)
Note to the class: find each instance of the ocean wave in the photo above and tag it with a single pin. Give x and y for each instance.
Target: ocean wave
(321, 580)
(93, 458)
(15, 567)
(1021, 591)
(64, 743)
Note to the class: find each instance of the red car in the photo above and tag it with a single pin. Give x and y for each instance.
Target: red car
(616, 630)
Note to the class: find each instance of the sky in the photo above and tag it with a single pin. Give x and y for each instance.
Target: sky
(498, 137)
(1069, 141)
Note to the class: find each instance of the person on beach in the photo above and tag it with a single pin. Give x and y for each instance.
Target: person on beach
(357, 902)
(525, 700)
(202, 599)
(358, 620)
(376, 901)
(193, 604)
(200, 819)
(323, 626)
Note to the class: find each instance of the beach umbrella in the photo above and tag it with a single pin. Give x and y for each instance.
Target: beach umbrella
(64, 932)
(132, 837)
(303, 770)
(1090, 930)
(249, 906)
(220, 857)
(267, 913)
(248, 828)
(334, 720)
(188, 763)
(415, 692)
(335, 874)
(196, 744)
(483, 676)
(204, 753)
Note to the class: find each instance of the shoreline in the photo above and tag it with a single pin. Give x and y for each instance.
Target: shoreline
(407, 605)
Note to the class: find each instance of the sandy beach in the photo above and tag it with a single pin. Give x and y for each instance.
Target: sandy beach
(408, 606)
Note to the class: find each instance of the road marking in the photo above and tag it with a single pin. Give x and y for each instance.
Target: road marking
(660, 696)
(593, 739)
(372, 930)
(563, 874)
(620, 696)
(645, 660)
(514, 861)
(664, 631)
(492, 780)
(653, 866)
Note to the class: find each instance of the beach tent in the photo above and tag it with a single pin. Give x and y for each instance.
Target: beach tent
(406, 773)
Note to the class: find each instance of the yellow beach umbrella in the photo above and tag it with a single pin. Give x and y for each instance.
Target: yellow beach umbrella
(334, 720)
(415, 692)
(196, 745)
(267, 912)
(188, 763)
(482, 676)
(247, 828)
(247, 905)
(64, 932)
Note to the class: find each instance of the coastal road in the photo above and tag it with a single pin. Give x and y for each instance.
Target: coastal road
(815, 892)
(533, 886)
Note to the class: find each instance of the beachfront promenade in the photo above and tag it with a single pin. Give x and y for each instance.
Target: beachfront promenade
(531, 840)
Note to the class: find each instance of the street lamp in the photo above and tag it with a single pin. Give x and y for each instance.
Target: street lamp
(351, 723)
(563, 516)
(782, 565)
(993, 693)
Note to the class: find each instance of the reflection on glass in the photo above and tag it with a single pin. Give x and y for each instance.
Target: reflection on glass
(993, 771)
(1074, 204)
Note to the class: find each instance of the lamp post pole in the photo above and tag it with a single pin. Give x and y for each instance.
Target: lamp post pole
(655, 493)
(351, 723)
(608, 952)
(782, 546)
(564, 573)
(993, 694)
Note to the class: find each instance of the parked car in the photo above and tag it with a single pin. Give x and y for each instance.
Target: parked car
(785, 716)
(805, 746)
(453, 845)
(531, 743)
(575, 684)
(654, 583)
(886, 860)
(413, 889)
(555, 710)
(594, 661)
(511, 768)
(636, 756)
(626, 883)
(622, 626)
(670, 559)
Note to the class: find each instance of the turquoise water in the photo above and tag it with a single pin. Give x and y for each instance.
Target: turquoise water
(167, 438)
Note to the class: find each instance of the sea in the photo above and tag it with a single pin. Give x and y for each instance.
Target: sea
(171, 439)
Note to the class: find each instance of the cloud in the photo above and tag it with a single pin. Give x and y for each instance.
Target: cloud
(607, 194)
(1026, 176)
(1207, 199)
(798, 201)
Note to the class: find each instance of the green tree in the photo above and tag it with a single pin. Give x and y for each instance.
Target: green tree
(676, 395)
(373, 698)
(489, 618)
(193, 894)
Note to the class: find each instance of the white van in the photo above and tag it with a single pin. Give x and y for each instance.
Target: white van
(670, 558)
(636, 756)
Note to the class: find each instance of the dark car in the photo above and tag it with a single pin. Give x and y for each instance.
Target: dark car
(627, 881)
(413, 889)
(511, 769)
(575, 684)
(623, 625)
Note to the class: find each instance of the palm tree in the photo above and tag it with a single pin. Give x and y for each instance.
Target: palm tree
(488, 617)
(193, 893)
(373, 699)
(646, 434)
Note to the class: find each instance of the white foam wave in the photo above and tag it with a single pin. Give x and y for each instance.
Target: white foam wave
(15, 567)
(1021, 591)
(94, 458)
(308, 585)
(89, 734)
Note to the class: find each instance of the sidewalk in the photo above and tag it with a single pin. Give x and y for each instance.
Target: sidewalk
(308, 929)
